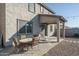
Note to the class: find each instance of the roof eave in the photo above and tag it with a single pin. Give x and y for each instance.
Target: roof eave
(46, 8)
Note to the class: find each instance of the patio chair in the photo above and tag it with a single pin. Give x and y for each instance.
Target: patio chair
(16, 44)
(19, 46)
(35, 40)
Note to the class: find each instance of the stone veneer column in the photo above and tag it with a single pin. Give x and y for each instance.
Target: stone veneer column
(58, 30)
(63, 30)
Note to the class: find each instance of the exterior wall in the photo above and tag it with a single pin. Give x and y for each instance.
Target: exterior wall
(51, 33)
(2, 21)
(20, 11)
(52, 20)
(45, 11)
(49, 13)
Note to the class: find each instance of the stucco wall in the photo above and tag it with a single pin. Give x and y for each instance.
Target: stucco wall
(2, 20)
(51, 33)
(20, 11)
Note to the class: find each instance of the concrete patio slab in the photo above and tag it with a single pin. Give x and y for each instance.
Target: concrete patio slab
(38, 50)
(68, 47)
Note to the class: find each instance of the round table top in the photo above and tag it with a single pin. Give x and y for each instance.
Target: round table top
(26, 40)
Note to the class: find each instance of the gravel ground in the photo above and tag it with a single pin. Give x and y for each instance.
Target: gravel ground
(68, 47)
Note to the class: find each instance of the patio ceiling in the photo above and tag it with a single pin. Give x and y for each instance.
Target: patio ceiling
(51, 19)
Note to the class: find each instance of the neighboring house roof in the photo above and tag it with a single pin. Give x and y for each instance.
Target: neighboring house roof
(67, 27)
(46, 7)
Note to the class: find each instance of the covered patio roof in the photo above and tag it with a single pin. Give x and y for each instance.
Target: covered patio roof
(53, 19)
(46, 18)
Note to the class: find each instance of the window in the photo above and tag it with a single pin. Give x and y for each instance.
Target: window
(29, 28)
(51, 28)
(26, 29)
(31, 7)
(22, 30)
(41, 9)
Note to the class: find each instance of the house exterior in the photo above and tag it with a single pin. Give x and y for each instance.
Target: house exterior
(36, 18)
(72, 32)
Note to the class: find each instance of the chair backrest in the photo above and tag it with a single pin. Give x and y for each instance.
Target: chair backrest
(15, 41)
(35, 40)
(36, 37)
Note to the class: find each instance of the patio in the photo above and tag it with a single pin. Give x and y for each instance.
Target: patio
(38, 50)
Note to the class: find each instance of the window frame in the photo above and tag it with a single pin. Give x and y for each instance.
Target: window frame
(29, 8)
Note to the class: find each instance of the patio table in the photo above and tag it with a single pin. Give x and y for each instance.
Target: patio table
(25, 40)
